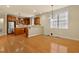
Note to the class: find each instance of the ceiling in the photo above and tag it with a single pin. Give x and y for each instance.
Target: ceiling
(26, 10)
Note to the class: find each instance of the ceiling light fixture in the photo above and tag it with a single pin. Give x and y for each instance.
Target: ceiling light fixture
(34, 11)
(8, 6)
(52, 11)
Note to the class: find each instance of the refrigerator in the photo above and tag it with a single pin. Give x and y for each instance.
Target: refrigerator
(11, 26)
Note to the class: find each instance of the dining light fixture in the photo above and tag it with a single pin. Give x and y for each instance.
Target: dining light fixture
(52, 11)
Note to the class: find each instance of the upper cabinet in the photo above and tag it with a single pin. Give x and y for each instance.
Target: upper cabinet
(27, 21)
(20, 21)
(24, 20)
(37, 20)
(11, 18)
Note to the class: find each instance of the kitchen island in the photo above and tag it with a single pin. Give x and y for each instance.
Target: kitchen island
(28, 30)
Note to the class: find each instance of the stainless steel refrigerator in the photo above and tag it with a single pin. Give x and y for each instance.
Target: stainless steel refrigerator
(11, 26)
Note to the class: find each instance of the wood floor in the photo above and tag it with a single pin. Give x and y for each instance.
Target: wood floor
(36, 44)
(20, 43)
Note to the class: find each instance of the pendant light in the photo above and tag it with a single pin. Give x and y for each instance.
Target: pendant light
(51, 18)
(52, 11)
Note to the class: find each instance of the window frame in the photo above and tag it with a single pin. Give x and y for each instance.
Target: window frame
(59, 21)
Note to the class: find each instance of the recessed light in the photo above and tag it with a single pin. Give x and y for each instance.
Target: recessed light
(40, 12)
(34, 10)
(8, 6)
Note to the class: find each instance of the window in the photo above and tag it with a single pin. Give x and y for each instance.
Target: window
(60, 20)
(53, 22)
(63, 20)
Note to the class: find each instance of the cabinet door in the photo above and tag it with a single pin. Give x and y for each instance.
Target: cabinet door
(37, 20)
(9, 18)
(27, 21)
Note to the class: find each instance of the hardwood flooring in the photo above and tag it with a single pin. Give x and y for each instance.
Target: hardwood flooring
(36, 44)
(21, 43)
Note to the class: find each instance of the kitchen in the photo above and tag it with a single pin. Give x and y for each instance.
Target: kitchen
(23, 25)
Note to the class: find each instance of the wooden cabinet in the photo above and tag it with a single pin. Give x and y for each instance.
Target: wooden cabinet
(26, 31)
(19, 31)
(37, 20)
(27, 21)
(20, 21)
(11, 18)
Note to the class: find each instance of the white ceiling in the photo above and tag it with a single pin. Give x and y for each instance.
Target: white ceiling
(26, 10)
(55, 7)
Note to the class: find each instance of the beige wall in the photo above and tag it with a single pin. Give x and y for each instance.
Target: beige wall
(4, 29)
(72, 31)
(45, 23)
(5, 24)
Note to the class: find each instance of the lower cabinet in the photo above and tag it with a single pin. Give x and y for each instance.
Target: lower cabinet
(57, 48)
(19, 31)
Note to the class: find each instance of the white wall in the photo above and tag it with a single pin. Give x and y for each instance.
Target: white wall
(45, 23)
(34, 30)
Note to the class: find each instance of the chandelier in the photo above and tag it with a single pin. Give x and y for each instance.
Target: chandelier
(52, 11)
